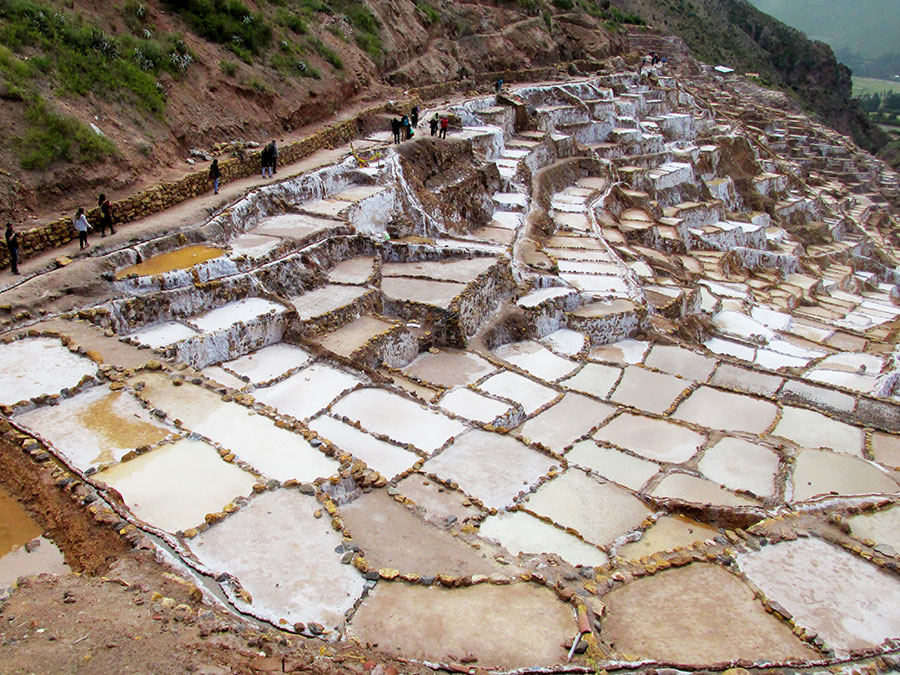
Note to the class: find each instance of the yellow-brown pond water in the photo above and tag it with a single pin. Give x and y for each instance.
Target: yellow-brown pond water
(180, 259)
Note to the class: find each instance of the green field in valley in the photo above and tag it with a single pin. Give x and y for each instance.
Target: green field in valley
(868, 85)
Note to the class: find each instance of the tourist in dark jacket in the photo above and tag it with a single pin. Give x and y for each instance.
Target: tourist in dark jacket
(105, 215)
(434, 124)
(12, 245)
(266, 160)
(214, 175)
(414, 115)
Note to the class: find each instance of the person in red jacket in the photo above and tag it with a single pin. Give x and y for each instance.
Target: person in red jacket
(445, 124)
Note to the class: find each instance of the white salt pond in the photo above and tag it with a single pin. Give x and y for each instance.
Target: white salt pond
(882, 527)
(741, 465)
(324, 300)
(626, 351)
(96, 427)
(492, 467)
(398, 418)
(287, 581)
(163, 334)
(595, 379)
(566, 342)
(473, 406)
(562, 423)
(462, 271)
(651, 438)
(274, 452)
(36, 366)
(810, 429)
(848, 602)
(600, 512)
(449, 367)
(680, 361)
(723, 410)
(646, 390)
(385, 458)
(698, 490)
(528, 393)
(819, 472)
(307, 391)
(520, 532)
(353, 271)
(424, 291)
(228, 315)
(537, 360)
(612, 464)
(268, 363)
(174, 486)
(543, 295)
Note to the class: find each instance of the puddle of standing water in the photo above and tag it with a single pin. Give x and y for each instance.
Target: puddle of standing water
(181, 259)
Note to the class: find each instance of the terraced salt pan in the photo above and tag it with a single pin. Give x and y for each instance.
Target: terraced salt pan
(449, 367)
(462, 271)
(597, 284)
(434, 624)
(528, 393)
(595, 379)
(651, 438)
(37, 366)
(472, 406)
(95, 427)
(179, 259)
(742, 326)
(269, 363)
(307, 391)
(698, 490)
(767, 358)
(679, 361)
(740, 465)
(729, 348)
(626, 351)
(848, 602)
(492, 467)
(163, 335)
(398, 418)
(559, 425)
(853, 363)
(819, 472)
(666, 534)
(535, 298)
(598, 511)
(840, 378)
(506, 219)
(698, 614)
(723, 410)
(741, 379)
(259, 545)
(886, 449)
(385, 458)
(612, 464)
(436, 503)
(424, 291)
(244, 310)
(174, 486)
(276, 453)
(354, 335)
(353, 271)
(522, 533)
(882, 527)
(325, 300)
(253, 245)
(295, 225)
(646, 390)
(534, 358)
(810, 429)
(566, 342)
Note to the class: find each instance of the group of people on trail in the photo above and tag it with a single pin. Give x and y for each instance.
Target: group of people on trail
(269, 158)
(403, 127)
(82, 226)
(654, 59)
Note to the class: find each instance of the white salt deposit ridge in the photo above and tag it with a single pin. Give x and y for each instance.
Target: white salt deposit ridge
(38, 366)
(398, 418)
(234, 312)
(520, 532)
(308, 391)
(163, 335)
(276, 453)
(268, 363)
(386, 458)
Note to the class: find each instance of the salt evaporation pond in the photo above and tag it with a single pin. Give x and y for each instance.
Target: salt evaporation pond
(163, 334)
(386, 458)
(180, 259)
(37, 366)
(307, 391)
(521, 533)
(17, 530)
(268, 363)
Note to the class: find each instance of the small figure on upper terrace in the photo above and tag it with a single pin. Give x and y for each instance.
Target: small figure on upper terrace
(445, 124)
(12, 245)
(214, 175)
(407, 128)
(273, 156)
(434, 124)
(414, 115)
(82, 226)
(395, 128)
(105, 215)
(498, 86)
(265, 158)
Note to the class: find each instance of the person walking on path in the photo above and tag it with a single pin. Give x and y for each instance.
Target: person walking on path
(273, 157)
(434, 124)
(414, 115)
(498, 86)
(266, 159)
(82, 226)
(445, 124)
(395, 128)
(404, 123)
(12, 245)
(214, 175)
(105, 215)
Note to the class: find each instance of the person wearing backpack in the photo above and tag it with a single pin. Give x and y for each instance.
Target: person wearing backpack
(105, 215)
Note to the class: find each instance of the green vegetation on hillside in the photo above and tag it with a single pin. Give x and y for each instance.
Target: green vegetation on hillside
(52, 138)
(868, 85)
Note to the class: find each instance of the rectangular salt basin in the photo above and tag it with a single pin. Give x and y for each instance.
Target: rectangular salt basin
(625, 351)
(449, 367)
(521, 532)
(244, 310)
(424, 291)
(536, 360)
(354, 335)
(96, 427)
(37, 366)
(740, 465)
(520, 389)
(174, 486)
(385, 458)
(289, 581)
(463, 271)
(163, 335)
(491, 467)
(558, 426)
(566, 342)
(295, 225)
(308, 391)
(595, 379)
(723, 410)
(698, 490)
(612, 464)
(274, 452)
(810, 429)
(398, 418)
(268, 363)
(467, 404)
(654, 439)
(597, 284)
(253, 245)
(324, 300)
(536, 298)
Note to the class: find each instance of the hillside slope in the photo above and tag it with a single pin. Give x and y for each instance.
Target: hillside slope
(158, 79)
(735, 33)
